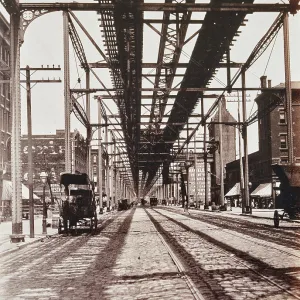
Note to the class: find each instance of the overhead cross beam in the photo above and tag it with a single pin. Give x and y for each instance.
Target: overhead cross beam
(11, 6)
(170, 7)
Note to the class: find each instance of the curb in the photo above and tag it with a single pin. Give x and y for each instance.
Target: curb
(23, 245)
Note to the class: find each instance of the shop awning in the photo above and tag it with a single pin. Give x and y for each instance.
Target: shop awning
(234, 191)
(264, 190)
(7, 191)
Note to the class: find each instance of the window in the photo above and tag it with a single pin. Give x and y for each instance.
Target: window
(2, 119)
(95, 170)
(95, 159)
(282, 117)
(283, 141)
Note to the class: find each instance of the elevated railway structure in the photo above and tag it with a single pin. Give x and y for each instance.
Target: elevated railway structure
(149, 148)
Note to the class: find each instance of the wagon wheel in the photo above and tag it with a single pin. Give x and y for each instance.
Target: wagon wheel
(96, 222)
(91, 224)
(276, 219)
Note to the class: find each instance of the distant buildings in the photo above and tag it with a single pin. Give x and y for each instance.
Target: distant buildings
(197, 187)
(49, 155)
(95, 168)
(228, 146)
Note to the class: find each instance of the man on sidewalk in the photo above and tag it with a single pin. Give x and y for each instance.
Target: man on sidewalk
(185, 207)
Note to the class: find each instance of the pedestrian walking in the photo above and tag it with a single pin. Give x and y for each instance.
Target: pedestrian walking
(185, 208)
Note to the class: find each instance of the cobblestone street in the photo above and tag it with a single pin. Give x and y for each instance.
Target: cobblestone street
(159, 254)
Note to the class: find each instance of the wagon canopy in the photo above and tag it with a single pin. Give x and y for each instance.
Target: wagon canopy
(79, 179)
(289, 175)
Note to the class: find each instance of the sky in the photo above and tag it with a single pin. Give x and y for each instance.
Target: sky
(43, 45)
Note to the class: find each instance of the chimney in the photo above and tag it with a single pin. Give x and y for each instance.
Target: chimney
(263, 82)
(223, 100)
(269, 83)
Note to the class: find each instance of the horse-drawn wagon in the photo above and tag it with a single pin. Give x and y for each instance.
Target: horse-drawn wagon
(78, 205)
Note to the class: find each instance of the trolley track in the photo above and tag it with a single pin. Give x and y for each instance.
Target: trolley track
(181, 270)
(245, 227)
(267, 282)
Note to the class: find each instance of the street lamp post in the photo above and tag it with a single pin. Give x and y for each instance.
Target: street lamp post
(44, 177)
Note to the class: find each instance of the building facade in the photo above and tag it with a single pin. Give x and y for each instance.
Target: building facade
(48, 153)
(273, 140)
(95, 170)
(197, 183)
(228, 136)
(5, 105)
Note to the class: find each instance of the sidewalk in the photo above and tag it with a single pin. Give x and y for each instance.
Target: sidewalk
(6, 230)
(267, 214)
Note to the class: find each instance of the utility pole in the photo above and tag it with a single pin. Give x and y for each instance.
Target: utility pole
(242, 190)
(29, 134)
(246, 166)
(288, 89)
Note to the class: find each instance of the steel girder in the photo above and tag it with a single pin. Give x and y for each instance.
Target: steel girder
(214, 39)
(173, 34)
(11, 6)
(217, 31)
(171, 43)
(123, 30)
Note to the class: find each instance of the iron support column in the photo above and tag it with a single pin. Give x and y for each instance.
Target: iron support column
(100, 188)
(88, 135)
(288, 88)
(206, 203)
(245, 135)
(221, 155)
(115, 176)
(30, 163)
(196, 172)
(67, 94)
(177, 188)
(44, 221)
(107, 168)
(16, 165)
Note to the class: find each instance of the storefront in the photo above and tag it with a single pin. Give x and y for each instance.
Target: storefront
(233, 197)
(261, 197)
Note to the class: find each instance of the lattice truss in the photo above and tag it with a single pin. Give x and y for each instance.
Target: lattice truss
(150, 150)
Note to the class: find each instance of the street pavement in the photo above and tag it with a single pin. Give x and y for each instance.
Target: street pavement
(210, 255)
(127, 260)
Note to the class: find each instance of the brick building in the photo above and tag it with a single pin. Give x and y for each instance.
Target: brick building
(5, 105)
(229, 149)
(95, 168)
(273, 143)
(49, 155)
